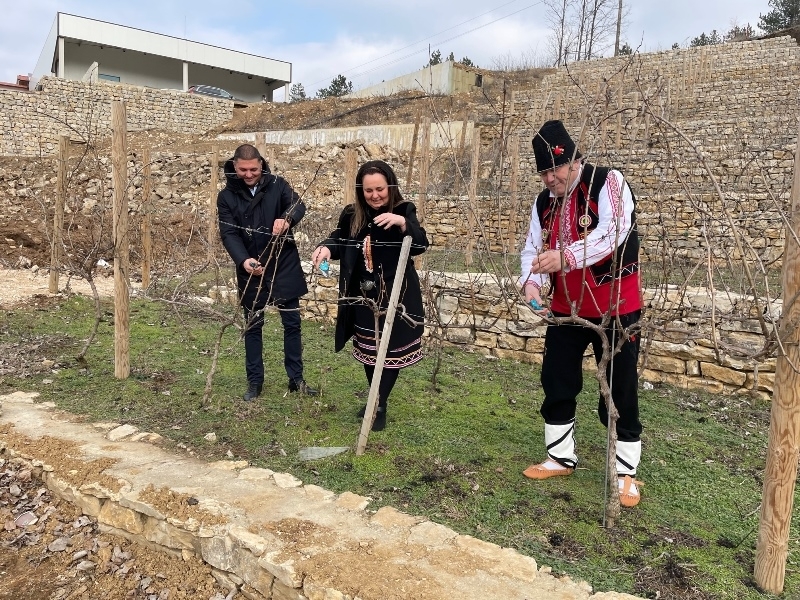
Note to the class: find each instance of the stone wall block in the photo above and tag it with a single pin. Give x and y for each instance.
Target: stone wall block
(226, 554)
(723, 374)
(282, 568)
(162, 533)
(89, 505)
(119, 517)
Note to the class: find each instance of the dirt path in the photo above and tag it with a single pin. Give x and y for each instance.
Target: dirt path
(20, 285)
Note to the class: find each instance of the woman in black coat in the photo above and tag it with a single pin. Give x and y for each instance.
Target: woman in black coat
(367, 242)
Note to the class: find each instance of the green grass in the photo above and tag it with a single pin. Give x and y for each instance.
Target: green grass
(454, 454)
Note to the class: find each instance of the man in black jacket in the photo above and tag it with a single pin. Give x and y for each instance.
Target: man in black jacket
(257, 211)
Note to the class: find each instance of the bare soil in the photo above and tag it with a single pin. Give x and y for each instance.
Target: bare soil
(49, 551)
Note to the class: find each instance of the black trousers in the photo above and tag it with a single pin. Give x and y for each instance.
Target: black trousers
(292, 342)
(562, 374)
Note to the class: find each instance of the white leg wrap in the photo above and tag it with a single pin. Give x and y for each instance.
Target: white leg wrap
(560, 441)
(628, 456)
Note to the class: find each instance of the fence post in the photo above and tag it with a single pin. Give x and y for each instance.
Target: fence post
(212, 204)
(57, 243)
(413, 150)
(513, 194)
(460, 155)
(780, 474)
(119, 162)
(473, 194)
(147, 209)
(350, 172)
(261, 144)
(424, 165)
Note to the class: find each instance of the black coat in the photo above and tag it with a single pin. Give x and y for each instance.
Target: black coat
(386, 253)
(245, 226)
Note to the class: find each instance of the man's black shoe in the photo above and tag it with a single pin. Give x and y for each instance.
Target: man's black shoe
(253, 392)
(303, 388)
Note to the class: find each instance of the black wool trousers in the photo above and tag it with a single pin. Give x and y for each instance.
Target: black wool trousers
(562, 374)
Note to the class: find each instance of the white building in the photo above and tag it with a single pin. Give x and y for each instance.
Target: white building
(138, 57)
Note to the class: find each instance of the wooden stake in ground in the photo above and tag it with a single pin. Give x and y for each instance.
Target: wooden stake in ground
(383, 346)
(212, 204)
(513, 194)
(147, 209)
(350, 172)
(119, 162)
(460, 155)
(57, 243)
(261, 143)
(772, 548)
(424, 171)
(473, 194)
(413, 152)
(424, 166)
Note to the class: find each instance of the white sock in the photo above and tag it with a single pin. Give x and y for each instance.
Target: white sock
(552, 465)
(632, 490)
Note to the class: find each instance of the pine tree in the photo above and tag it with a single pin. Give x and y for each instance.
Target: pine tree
(784, 14)
(297, 93)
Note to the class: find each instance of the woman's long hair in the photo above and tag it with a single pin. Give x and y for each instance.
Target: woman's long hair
(360, 217)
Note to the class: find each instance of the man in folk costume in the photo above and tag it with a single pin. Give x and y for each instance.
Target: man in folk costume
(583, 246)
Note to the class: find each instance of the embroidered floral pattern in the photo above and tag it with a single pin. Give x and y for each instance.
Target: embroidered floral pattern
(367, 250)
(558, 150)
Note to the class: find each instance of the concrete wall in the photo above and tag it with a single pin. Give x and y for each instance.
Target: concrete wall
(400, 137)
(30, 123)
(140, 57)
(445, 78)
(133, 68)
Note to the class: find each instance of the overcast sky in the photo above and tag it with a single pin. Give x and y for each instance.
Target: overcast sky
(365, 40)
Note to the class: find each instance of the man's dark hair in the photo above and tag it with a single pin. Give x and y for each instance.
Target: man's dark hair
(246, 152)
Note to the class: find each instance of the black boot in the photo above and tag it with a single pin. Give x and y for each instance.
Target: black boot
(302, 387)
(253, 392)
(379, 424)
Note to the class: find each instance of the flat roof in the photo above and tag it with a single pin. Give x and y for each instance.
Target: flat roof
(102, 33)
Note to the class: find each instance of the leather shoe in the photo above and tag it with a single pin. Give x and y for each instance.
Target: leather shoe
(253, 392)
(629, 495)
(302, 387)
(541, 471)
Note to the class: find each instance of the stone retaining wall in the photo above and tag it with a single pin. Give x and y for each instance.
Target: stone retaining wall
(661, 116)
(482, 313)
(239, 520)
(31, 122)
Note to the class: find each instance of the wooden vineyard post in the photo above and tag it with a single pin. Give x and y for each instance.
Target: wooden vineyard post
(147, 210)
(212, 204)
(460, 155)
(119, 162)
(772, 547)
(413, 152)
(57, 243)
(261, 144)
(513, 195)
(350, 172)
(424, 166)
(383, 346)
(473, 195)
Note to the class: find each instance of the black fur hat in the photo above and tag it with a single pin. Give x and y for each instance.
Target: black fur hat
(553, 147)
